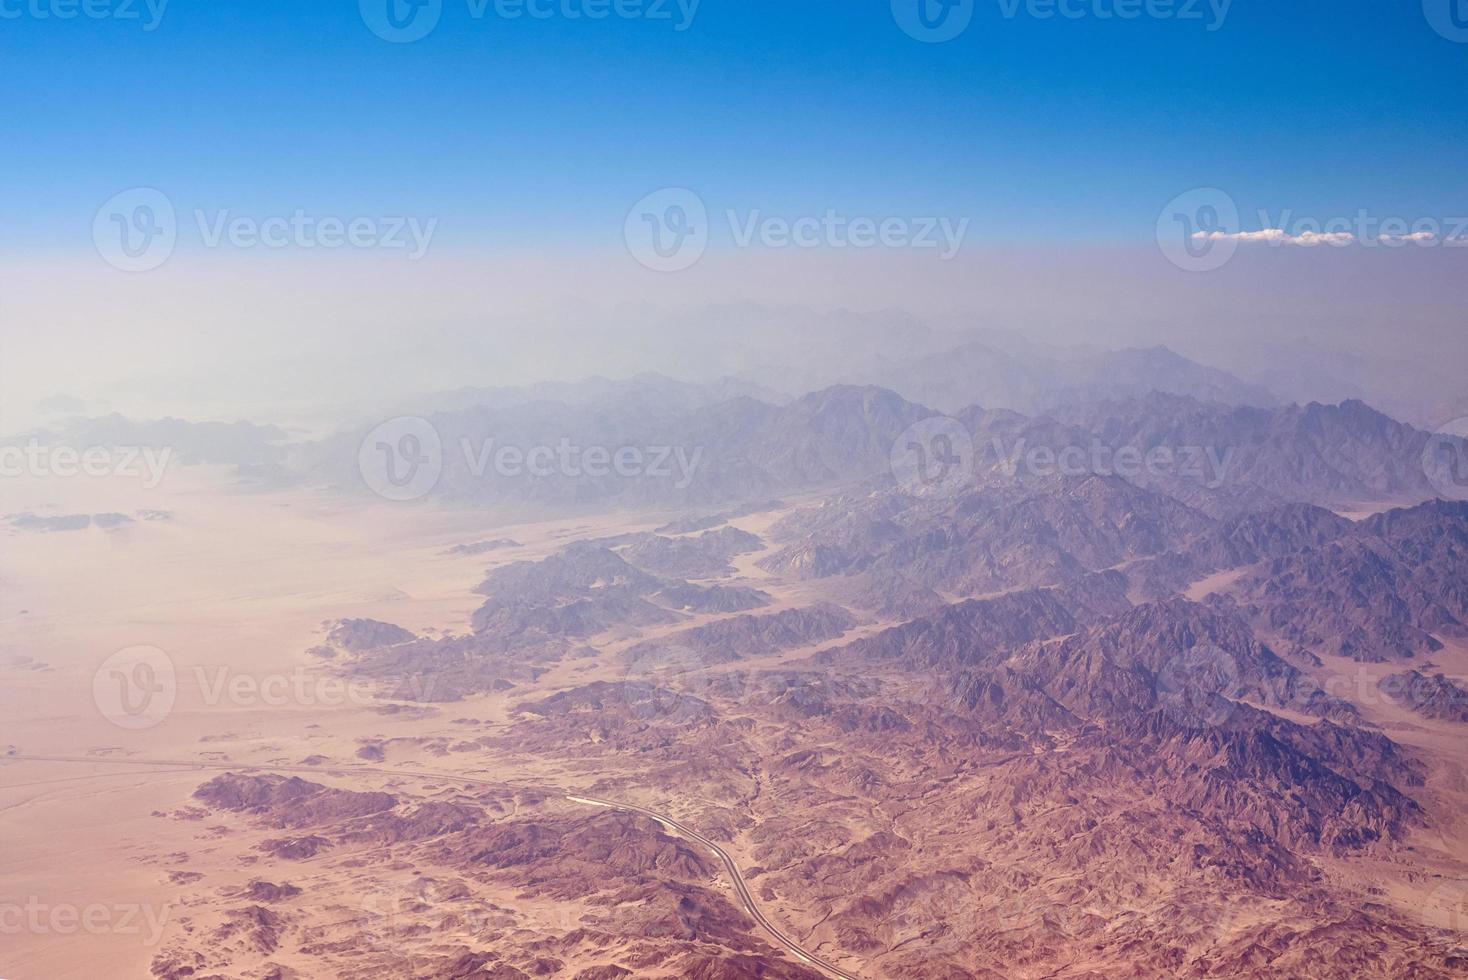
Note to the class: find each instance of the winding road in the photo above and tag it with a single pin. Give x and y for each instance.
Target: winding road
(736, 877)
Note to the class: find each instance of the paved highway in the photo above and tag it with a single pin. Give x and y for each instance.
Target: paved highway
(735, 875)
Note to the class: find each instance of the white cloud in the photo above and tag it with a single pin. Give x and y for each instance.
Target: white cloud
(1278, 236)
(1310, 239)
(1416, 236)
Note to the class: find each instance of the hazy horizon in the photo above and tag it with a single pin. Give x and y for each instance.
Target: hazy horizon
(329, 336)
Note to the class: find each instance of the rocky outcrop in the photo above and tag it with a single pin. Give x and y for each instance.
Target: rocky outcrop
(1431, 696)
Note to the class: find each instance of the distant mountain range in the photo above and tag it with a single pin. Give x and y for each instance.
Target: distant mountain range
(1224, 446)
(1216, 457)
(979, 374)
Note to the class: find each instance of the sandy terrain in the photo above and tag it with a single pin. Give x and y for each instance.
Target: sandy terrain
(107, 861)
(234, 612)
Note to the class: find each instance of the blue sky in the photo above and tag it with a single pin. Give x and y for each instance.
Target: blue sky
(539, 134)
